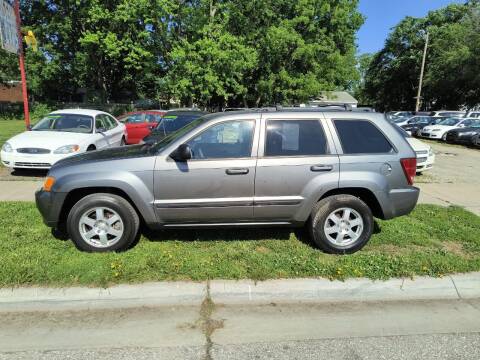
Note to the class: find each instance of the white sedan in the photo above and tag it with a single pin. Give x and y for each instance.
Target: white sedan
(425, 154)
(439, 131)
(61, 134)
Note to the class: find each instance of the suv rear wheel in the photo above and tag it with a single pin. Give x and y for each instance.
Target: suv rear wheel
(341, 224)
(103, 222)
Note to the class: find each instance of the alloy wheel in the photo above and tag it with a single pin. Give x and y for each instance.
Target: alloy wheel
(101, 227)
(343, 227)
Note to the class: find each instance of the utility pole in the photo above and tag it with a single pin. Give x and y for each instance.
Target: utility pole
(21, 59)
(420, 82)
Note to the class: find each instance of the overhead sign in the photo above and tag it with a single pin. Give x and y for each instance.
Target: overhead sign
(8, 27)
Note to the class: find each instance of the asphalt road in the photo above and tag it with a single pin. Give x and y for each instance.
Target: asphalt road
(363, 330)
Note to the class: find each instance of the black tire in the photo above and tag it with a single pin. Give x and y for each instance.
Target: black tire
(122, 142)
(444, 137)
(122, 207)
(324, 208)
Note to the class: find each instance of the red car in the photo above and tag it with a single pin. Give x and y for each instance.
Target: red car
(140, 123)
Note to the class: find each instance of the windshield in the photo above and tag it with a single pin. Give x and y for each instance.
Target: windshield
(399, 119)
(171, 123)
(449, 122)
(65, 123)
(179, 133)
(452, 113)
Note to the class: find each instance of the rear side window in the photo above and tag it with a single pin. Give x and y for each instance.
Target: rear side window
(361, 137)
(295, 138)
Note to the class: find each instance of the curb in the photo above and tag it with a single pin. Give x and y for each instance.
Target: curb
(244, 292)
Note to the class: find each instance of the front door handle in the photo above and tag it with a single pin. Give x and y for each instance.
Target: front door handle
(321, 168)
(237, 171)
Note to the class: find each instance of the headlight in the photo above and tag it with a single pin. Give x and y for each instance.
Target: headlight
(430, 152)
(67, 149)
(7, 147)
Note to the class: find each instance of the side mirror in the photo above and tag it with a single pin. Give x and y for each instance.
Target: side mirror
(182, 153)
(101, 130)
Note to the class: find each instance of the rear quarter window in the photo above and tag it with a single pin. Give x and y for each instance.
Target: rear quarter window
(361, 137)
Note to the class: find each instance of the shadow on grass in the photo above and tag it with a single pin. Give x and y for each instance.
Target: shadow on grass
(234, 234)
(224, 234)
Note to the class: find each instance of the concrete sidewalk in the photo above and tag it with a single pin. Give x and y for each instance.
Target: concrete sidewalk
(444, 194)
(458, 286)
(19, 190)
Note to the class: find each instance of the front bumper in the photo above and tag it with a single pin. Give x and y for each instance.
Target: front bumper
(50, 205)
(30, 161)
(460, 139)
(427, 164)
(431, 135)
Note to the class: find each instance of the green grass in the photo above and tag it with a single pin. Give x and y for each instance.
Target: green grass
(9, 128)
(431, 241)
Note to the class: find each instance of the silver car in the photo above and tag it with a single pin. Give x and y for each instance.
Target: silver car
(329, 171)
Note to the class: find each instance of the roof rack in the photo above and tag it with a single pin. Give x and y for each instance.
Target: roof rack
(319, 108)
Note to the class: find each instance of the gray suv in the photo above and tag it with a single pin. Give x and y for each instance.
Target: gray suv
(330, 171)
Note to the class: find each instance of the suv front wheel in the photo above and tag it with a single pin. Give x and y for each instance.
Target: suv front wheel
(103, 222)
(341, 224)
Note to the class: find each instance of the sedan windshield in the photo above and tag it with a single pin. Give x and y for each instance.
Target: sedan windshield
(449, 122)
(65, 123)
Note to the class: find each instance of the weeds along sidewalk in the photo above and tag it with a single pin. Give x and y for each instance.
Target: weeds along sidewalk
(432, 241)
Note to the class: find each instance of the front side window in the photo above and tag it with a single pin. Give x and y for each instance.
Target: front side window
(231, 139)
(133, 119)
(361, 137)
(151, 118)
(295, 138)
(100, 123)
(66, 123)
(112, 123)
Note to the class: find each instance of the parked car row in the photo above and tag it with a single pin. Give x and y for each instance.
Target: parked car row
(458, 130)
(64, 133)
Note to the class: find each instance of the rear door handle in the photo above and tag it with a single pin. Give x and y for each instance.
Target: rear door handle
(321, 168)
(237, 171)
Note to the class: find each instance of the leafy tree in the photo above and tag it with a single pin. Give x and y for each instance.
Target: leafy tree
(210, 70)
(210, 52)
(8, 67)
(358, 88)
(451, 77)
(303, 46)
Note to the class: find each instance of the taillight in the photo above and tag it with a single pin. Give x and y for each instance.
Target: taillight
(409, 168)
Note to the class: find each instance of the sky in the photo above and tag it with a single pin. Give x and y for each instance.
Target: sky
(382, 15)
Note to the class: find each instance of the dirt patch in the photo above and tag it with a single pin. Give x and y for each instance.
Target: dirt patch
(455, 248)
